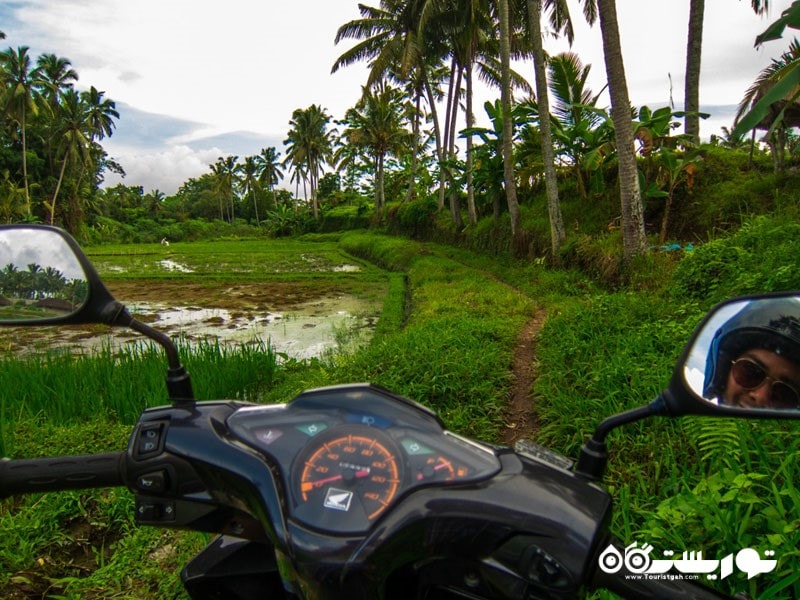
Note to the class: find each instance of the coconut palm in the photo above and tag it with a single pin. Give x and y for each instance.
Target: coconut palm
(634, 241)
(691, 102)
(377, 125)
(72, 139)
(100, 114)
(269, 170)
(225, 172)
(309, 146)
(579, 129)
(392, 42)
(55, 75)
(505, 103)
(560, 20)
(18, 100)
(250, 181)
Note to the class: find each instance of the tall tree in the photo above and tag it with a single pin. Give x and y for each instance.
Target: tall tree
(269, 170)
(634, 241)
(377, 125)
(225, 172)
(694, 47)
(250, 182)
(18, 80)
(100, 114)
(505, 103)
(309, 145)
(55, 76)
(560, 19)
(395, 47)
(73, 140)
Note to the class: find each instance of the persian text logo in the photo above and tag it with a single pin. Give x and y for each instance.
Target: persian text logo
(691, 565)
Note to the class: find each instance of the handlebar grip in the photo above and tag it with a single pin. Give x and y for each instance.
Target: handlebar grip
(61, 473)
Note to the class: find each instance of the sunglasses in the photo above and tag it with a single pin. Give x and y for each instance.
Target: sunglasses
(750, 375)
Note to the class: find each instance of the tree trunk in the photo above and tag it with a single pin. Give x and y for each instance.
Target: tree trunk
(691, 102)
(412, 184)
(25, 162)
(437, 134)
(471, 209)
(633, 236)
(52, 205)
(557, 234)
(455, 205)
(444, 169)
(505, 101)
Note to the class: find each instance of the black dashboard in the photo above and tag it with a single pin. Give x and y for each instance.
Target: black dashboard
(348, 453)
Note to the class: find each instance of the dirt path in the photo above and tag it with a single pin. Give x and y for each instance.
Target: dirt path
(520, 416)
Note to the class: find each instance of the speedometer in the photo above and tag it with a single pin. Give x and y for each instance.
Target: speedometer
(346, 477)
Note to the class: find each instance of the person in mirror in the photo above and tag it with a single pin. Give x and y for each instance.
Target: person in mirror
(754, 358)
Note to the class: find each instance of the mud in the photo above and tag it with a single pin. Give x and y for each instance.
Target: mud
(302, 319)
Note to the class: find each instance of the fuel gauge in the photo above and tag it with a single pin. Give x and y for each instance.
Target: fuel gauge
(428, 466)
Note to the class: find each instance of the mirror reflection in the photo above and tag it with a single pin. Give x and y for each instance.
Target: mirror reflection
(40, 276)
(748, 355)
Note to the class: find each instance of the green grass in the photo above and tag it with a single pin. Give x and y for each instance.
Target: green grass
(61, 387)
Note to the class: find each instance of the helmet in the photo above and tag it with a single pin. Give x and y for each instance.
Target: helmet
(771, 324)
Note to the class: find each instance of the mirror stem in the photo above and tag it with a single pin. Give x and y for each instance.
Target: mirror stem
(594, 455)
(179, 385)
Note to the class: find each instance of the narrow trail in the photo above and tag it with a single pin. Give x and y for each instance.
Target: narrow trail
(520, 411)
(520, 416)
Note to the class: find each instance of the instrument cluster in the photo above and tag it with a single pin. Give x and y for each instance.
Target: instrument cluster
(346, 463)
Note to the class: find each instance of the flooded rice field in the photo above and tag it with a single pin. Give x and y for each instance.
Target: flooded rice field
(303, 298)
(301, 320)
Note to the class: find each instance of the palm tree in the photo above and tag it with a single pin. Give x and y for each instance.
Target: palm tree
(100, 114)
(18, 100)
(505, 102)
(250, 181)
(691, 102)
(56, 75)
(269, 169)
(580, 130)
(72, 139)
(634, 241)
(560, 18)
(309, 145)
(154, 201)
(393, 45)
(377, 124)
(225, 172)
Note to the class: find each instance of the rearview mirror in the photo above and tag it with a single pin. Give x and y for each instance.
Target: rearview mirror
(743, 358)
(45, 278)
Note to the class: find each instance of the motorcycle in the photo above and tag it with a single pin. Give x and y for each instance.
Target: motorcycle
(354, 491)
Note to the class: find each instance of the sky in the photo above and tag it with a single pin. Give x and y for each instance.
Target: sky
(194, 80)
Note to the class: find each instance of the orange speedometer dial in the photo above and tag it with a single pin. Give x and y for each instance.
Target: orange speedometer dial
(350, 472)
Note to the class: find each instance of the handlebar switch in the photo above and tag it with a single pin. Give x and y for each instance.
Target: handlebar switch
(149, 440)
(149, 511)
(154, 482)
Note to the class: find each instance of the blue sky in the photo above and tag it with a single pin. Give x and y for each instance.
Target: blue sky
(194, 80)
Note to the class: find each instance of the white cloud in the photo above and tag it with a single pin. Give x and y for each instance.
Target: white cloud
(164, 169)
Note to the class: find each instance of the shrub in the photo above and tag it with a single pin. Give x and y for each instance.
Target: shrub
(763, 256)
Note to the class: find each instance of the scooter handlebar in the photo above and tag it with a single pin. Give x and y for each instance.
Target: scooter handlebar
(61, 473)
